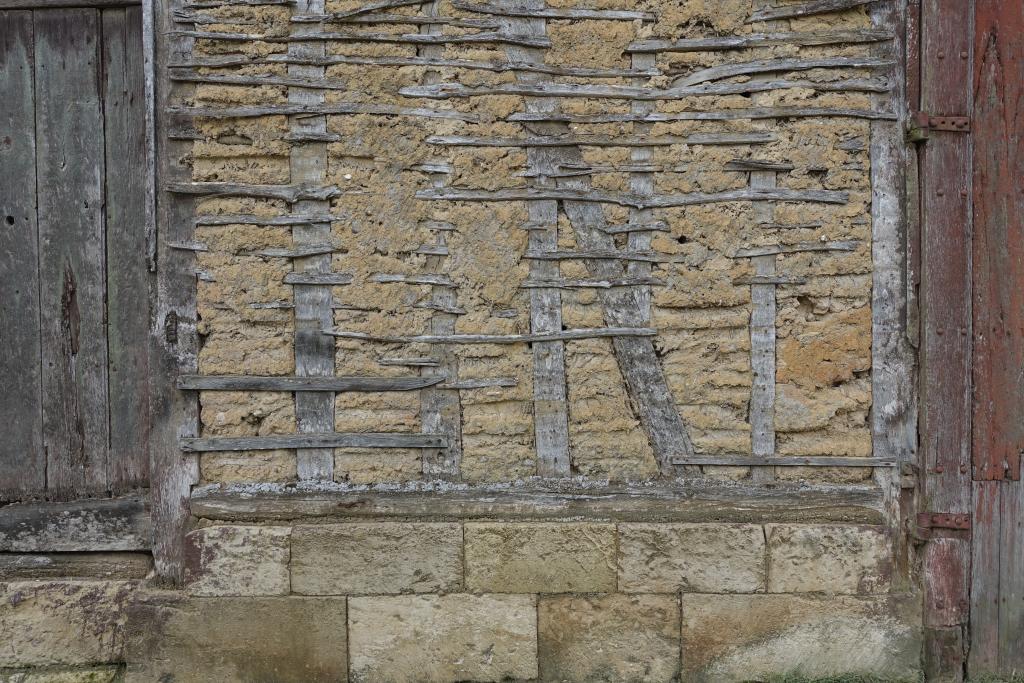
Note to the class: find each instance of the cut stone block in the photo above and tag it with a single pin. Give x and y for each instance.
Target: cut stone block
(830, 558)
(709, 558)
(238, 640)
(63, 622)
(751, 637)
(376, 559)
(540, 558)
(237, 560)
(432, 638)
(616, 638)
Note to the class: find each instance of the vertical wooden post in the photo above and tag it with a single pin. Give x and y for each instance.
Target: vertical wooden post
(314, 350)
(946, 330)
(441, 408)
(175, 343)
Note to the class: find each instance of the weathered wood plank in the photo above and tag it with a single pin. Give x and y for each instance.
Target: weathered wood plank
(22, 459)
(986, 541)
(314, 351)
(289, 193)
(312, 441)
(637, 256)
(565, 335)
(252, 219)
(173, 335)
(707, 115)
(565, 283)
(66, 4)
(70, 163)
(252, 111)
(1011, 578)
(129, 282)
(550, 388)
(86, 565)
(805, 9)
(443, 91)
(311, 82)
(86, 525)
(440, 409)
(785, 461)
(571, 194)
(755, 252)
(328, 383)
(510, 10)
(384, 18)
(762, 346)
(761, 40)
(419, 60)
(753, 138)
(998, 240)
(762, 66)
(481, 37)
(703, 502)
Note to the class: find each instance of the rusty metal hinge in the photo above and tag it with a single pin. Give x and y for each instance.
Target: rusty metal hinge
(943, 520)
(922, 124)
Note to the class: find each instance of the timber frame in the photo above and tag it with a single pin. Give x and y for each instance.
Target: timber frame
(174, 325)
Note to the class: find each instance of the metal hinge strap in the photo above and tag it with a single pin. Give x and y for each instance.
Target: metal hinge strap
(922, 124)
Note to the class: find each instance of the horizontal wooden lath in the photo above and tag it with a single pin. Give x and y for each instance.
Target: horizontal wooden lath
(66, 4)
(332, 384)
(785, 461)
(322, 440)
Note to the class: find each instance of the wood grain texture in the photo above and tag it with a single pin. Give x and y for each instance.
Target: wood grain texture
(72, 258)
(129, 282)
(65, 4)
(578, 194)
(77, 565)
(440, 409)
(805, 9)
(86, 525)
(304, 383)
(702, 502)
(312, 441)
(22, 459)
(998, 240)
(550, 389)
(174, 342)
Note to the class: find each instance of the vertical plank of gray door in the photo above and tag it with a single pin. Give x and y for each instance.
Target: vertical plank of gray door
(128, 280)
(22, 463)
(69, 160)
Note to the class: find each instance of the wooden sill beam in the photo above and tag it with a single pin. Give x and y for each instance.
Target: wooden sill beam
(107, 525)
(684, 502)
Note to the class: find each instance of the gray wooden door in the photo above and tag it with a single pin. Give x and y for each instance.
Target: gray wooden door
(74, 282)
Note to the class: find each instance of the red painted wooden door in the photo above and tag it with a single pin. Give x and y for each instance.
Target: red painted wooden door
(966, 89)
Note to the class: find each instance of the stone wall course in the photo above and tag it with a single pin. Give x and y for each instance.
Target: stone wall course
(225, 560)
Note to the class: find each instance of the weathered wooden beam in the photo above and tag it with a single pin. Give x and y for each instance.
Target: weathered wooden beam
(625, 199)
(210, 4)
(483, 37)
(785, 461)
(442, 91)
(638, 256)
(251, 219)
(654, 226)
(413, 362)
(302, 251)
(312, 440)
(65, 4)
(762, 66)
(752, 138)
(562, 283)
(510, 10)
(435, 61)
(698, 502)
(76, 565)
(754, 252)
(438, 279)
(288, 193)
(761, 40)
(378, 6)
(565, 335)
(805, 9)
(110, 524)
(758, 165)
(470, 384)
(770, 280)
(380, 18)
(705, 115)
(330, 384)
(314, 109)
(259, 80)
(323, 279)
